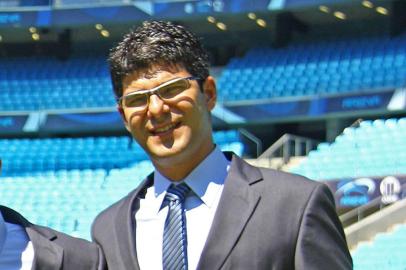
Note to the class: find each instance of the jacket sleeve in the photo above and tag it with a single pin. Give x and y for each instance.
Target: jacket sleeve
(321, 242)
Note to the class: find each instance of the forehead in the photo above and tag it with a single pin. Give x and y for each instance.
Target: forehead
(152, 77)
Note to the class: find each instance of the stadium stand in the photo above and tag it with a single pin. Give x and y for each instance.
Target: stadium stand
(68, 200)
(28, 155)
(24, 156)
(375, 148)
(65, 182)
(317, 68)
(385, 251)
(69, 181)
(28, 84)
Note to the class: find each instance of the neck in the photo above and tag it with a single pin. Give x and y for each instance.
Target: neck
(176, 169)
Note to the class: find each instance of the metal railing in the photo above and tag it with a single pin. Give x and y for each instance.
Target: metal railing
(288, 146)
(253, 139)
(366, 210)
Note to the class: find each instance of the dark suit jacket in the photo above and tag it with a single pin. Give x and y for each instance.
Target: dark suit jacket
(266, 219)
(55, 250)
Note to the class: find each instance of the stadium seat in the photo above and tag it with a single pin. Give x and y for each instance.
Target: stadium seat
(333, 67)
(65, 182)
(375, 148)
(385, 251)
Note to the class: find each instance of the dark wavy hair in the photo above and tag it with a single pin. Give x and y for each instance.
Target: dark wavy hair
(157, 42)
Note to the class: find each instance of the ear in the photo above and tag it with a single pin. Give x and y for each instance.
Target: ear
(122, 114)
(210, 92)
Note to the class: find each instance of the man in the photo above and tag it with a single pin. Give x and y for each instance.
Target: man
(27, 246)
(202, 209)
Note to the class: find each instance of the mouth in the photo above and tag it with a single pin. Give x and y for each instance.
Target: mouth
(165, 129)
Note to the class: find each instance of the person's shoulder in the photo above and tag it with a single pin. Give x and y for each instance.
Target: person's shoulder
(291, 189)
(112, 210)
(287, 177)
(268, 178)
(273, 175)
(65, 240)
(287, 182)
(78, 253)
(108, 216)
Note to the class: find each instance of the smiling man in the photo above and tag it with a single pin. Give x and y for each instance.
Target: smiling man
(171, 120)
(202, 208)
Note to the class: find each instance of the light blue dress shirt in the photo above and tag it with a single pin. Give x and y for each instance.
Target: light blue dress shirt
(206, 183)
(16, 250)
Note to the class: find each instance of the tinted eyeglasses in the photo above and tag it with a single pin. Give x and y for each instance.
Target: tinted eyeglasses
(167, 91)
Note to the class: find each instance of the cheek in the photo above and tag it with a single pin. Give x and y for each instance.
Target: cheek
(135, 126)
(194, 107)
(184, 132)
(201, 104)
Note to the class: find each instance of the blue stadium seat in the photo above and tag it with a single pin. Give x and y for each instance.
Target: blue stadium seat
(35, 155)
(375, 148)
(65, 182)
(44, 83)
(386, 251)
(312, 69)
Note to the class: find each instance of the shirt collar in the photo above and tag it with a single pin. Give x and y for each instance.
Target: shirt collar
(206, 180)
(3, 232)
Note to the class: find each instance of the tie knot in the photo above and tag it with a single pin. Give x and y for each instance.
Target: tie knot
(177, 192)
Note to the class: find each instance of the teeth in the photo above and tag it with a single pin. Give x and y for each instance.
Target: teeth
(163, 129)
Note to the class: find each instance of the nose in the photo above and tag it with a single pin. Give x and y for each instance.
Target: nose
(156, 106)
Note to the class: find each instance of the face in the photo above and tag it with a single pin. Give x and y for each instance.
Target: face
(176, 132)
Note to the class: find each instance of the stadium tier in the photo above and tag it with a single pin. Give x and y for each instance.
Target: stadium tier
(315, 69)
(375, 148)
(299, 70)
(28, 155)
(69, 200)
(68, 181)
(386, 251)
(22, 156)
(41, 83)
(298, 66)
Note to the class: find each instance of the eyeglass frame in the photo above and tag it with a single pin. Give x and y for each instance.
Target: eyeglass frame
(155, 91)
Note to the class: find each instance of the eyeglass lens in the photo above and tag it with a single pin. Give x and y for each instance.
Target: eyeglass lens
(167, 91)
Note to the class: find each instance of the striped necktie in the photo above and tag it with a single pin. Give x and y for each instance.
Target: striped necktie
(174, 249)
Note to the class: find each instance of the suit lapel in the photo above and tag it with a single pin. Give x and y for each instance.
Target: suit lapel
(125, 226)
(46, 253)
(237, 204)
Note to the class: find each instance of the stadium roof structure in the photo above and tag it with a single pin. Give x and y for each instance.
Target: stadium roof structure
(245, 21)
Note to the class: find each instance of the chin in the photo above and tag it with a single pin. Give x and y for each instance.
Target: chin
(174, 154)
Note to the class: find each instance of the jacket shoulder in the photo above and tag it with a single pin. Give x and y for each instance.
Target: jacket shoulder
(286, 186)
(78, 253)
(272, 177)
(287, 177)
(107, 216)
